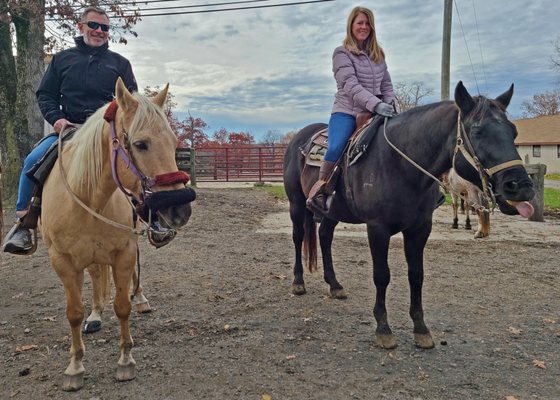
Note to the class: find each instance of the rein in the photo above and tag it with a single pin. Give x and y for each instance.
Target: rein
(470, 155)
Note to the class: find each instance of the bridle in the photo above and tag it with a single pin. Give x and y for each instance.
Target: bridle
(157, 235)
(464, 146)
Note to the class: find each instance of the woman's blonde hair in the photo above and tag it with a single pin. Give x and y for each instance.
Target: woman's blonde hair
(370, 47)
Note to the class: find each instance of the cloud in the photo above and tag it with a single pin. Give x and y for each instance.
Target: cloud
(273, 66)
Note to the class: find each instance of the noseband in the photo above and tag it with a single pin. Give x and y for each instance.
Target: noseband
(149, 202)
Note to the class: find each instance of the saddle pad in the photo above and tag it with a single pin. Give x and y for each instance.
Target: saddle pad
(314, 151)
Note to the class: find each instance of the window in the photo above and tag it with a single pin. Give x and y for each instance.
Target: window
(537, 151)
(558, 150)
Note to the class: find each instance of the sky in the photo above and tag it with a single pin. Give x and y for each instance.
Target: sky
(270, 69)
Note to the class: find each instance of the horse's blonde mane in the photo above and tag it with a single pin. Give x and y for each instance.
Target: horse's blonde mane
(84, 168)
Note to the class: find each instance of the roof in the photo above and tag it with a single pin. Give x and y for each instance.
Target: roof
(542, 130)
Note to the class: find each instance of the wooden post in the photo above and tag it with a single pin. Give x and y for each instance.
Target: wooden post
(446, 49)
(193, 167)
(536, 173)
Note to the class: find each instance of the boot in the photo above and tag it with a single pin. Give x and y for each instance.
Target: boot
(18, 240)
(317, 198)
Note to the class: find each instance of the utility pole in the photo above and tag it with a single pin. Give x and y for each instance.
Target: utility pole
(446, 49)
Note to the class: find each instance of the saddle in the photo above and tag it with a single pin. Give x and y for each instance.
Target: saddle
(315, 149)
(39, 173)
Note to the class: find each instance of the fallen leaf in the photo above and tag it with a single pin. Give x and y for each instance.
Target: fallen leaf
(511, 398)
(290, 357)
(280, 276)
(514, 331)
(169, 321)
(25, 347)
(266, 396)
(549, 321)
(539, 364)
(51, 318)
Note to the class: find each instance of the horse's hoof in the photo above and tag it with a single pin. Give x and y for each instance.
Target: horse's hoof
(143, 308)
(126, 372)
(386, 341)
(454, 226)
(92, 326)
(298, 289)
(424, 340)
(339, 294)
(479, 235)
(71, 383)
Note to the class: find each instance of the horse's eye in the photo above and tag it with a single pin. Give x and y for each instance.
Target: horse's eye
(141, 145)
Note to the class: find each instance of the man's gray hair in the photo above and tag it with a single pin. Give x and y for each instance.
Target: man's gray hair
(93, 9)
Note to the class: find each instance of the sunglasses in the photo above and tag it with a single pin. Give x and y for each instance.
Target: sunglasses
(94, 25)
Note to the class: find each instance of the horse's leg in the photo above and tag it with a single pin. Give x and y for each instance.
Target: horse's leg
(297, 215)
(467, 213)
(326, 232)
(483, 225)
(455, 201)
(139, 301)
(101, 291)
(122, 276)
(379, 247)
(73, 281)
(414, 243)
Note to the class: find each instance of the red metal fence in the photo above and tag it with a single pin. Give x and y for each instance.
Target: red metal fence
(249, 163)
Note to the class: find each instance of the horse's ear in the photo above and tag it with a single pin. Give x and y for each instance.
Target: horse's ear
(505, 97)
(125, 100)
(463, 99)
(160, 98)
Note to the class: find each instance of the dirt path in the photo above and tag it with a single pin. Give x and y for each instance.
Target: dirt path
(225, 325)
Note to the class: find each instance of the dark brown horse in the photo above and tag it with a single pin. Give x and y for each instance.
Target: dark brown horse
(388, 193)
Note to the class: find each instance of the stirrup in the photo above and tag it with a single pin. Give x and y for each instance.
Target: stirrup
(33, 240)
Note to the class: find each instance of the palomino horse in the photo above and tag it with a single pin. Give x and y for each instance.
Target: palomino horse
(125, 150)
(386, 191)
(460, 188)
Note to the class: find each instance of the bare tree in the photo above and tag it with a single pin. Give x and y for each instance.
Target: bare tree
(410, 94)
(547, 103)
(272, 136)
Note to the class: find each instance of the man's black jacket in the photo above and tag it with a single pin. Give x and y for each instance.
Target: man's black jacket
(80, 80)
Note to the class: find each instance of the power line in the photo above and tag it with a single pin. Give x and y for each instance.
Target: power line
(480, 48)
(197, 6)
(467, 46)
(214, 10)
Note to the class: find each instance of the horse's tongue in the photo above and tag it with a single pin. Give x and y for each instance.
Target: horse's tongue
(524, 208)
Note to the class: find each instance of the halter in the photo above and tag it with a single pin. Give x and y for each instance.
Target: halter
(465, 147)
(470, 155)
(160, 236)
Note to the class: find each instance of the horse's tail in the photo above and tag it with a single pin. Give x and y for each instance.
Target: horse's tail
(310, 241)
(105, 283)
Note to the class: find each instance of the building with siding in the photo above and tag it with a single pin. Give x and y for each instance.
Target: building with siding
(538, 141)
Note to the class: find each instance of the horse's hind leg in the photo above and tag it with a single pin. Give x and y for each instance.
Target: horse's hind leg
(73, 281)
(455, 205)
(379, 247)
(326, 232)
(122, 276)
(414, 243)
(139, 301)
(101, 287)
(297, 215)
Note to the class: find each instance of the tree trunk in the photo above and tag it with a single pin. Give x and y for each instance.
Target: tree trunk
(9, 154)
(30, 28)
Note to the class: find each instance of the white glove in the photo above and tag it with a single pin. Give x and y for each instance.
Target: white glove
(384, 109)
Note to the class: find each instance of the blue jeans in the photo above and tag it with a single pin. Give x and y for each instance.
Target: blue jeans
(341, 126)
(26, 185)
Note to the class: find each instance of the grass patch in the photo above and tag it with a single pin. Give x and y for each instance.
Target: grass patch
(275, 190)
(552, 198)
(554, 177)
